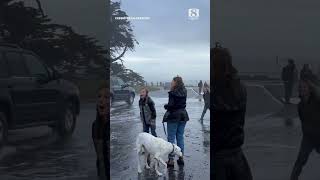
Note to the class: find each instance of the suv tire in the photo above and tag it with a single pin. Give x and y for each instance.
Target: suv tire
(67, 123)
(3, 129)
(130, 99)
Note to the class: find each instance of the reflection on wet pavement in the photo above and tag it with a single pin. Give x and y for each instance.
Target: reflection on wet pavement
(273, 135)
(69, 159)
(125, 126)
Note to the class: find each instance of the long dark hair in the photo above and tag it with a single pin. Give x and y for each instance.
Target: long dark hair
(226, 84)
(179, 83)
(223, 70)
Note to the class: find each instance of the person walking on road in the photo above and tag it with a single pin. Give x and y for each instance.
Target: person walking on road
(308, 108)
(100, 134)
(289, 77)
(306, 72)
(229, 109)
(206, 97)
(176, 116)
(147, 112)
(200, 85)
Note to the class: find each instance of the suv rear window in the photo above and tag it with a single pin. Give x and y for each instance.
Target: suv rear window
(16, 64)
(3, 67)
(114, 82)
(34, 66)
(120, 82)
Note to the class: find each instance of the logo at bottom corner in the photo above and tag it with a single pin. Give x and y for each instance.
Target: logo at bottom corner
(194, 13)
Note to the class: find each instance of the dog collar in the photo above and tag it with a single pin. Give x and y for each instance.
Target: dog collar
(172, 148)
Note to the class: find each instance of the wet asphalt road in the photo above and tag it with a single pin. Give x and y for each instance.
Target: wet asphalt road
(36, 153)
(273, 135)
(126, 124)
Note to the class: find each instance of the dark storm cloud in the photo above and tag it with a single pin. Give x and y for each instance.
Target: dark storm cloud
(85, 16)
(260, 30)
(170, 43)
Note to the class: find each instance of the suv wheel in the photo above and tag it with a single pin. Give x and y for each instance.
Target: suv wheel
(131, 99)
(3, 129)
(67, 123)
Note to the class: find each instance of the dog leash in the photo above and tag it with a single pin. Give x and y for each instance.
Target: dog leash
(164, 129)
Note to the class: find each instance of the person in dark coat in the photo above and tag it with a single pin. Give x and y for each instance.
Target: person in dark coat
(100, 134)
(229, 109)
(176, 116)
(309, 114)
(289, 77)
(206, 97)
(147, 112)
(306, 72)
(200, 85)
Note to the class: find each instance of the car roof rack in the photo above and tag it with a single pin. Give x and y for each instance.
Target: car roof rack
(10, 45)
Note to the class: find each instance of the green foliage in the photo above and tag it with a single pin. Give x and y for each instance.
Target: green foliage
(73, 54)
(122, 39)
(126, 75)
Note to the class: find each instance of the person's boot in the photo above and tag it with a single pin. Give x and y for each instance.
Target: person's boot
(170, 163)
(180, 161)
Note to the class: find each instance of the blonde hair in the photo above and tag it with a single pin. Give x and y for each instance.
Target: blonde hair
(146, 89)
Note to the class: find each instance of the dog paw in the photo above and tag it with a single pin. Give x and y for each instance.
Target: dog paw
(139, 171)
(147, 167)
(159, 174)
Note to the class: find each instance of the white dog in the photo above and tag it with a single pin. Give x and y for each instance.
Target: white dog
(157, 148)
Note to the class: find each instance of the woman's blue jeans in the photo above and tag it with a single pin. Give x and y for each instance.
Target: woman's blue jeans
(176, 131)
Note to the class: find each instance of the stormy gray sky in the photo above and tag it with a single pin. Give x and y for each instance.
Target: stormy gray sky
(169, 43)
(256, 31)
(85, 16)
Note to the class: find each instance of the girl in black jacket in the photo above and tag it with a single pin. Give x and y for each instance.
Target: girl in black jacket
(229, 108)
(176, 116)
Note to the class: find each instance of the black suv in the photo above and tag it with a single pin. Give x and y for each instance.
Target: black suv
(32, 94)
(121, 91)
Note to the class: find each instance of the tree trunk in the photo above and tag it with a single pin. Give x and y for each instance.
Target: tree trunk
(121, 55)
(40, 7)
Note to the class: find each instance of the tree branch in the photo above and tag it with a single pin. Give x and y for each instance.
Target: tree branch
(40, 7)
(121, 55)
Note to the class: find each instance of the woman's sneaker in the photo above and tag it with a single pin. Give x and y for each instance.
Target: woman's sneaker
(180, 161)
(170, 163)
